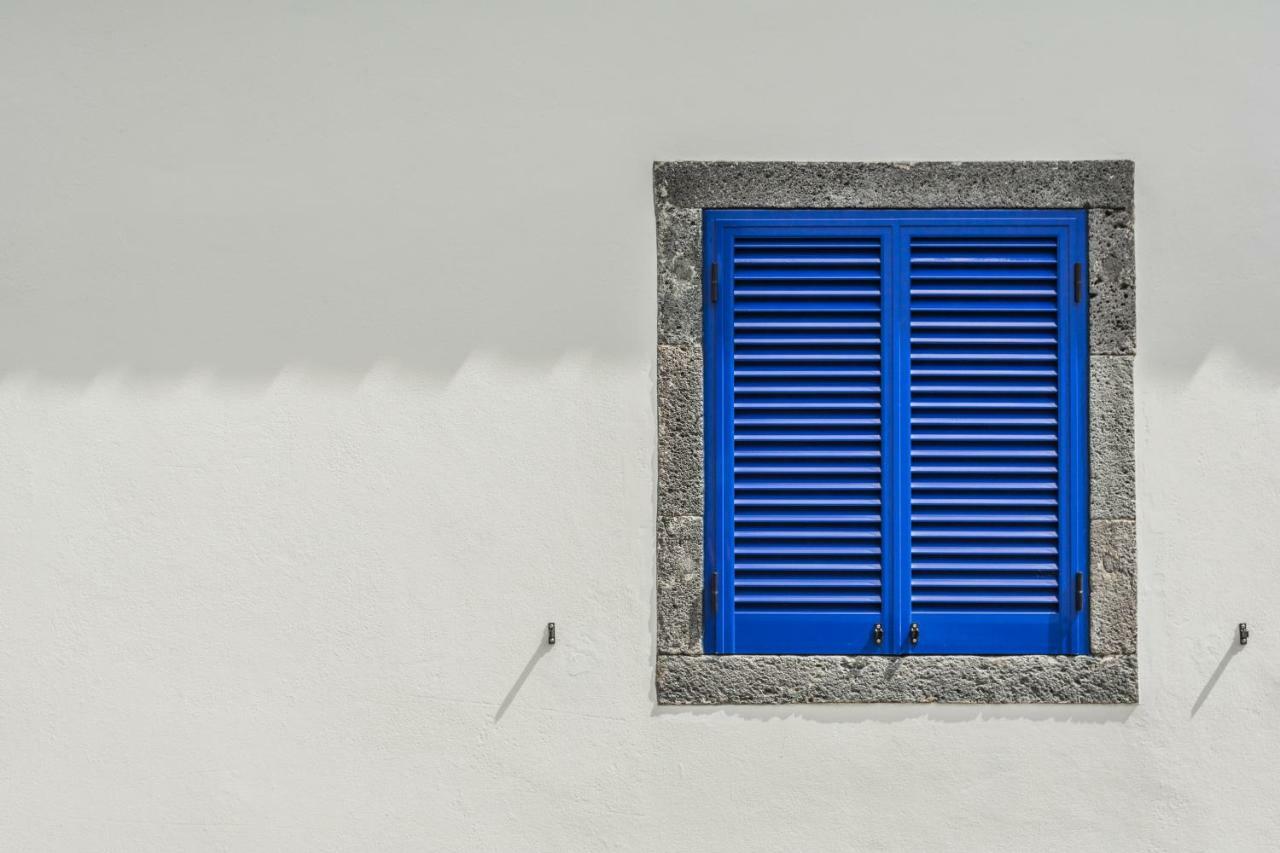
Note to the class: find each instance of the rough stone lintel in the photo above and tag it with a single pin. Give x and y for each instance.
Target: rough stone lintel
(1062, 183)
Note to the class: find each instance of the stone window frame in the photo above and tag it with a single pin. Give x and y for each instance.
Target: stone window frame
(1109, 673)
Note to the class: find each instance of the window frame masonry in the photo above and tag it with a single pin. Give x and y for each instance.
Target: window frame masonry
(683, 191)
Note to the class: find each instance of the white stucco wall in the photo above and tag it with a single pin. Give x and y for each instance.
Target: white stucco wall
(327, 379)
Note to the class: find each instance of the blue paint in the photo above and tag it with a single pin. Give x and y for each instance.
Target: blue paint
(829, 509)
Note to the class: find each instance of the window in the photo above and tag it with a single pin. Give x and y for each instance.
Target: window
(895, 432)
(1043, 627)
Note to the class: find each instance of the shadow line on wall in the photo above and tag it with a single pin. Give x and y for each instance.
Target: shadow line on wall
(1233, 649)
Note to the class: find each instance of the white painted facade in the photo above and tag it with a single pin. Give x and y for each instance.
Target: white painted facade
(327, 349)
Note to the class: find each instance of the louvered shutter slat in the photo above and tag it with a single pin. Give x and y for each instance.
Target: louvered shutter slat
(895, 432)
(987, 443)
(806, 391)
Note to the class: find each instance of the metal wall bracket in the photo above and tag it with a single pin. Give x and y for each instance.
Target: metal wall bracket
(551, 633)
(1244, 633)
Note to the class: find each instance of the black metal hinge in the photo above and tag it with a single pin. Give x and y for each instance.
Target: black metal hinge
(715, 283)
(1079, 590)
(715, 592)
(1077, 280)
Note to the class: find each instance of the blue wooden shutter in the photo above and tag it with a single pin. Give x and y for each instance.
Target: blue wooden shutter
(895, 432)
(796, 381)
(997, 392)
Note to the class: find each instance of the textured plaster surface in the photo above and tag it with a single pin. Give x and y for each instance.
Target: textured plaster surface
(327, 379)
(681, 189)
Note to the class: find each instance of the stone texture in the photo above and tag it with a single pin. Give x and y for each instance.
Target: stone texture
(680, 585)
(1112, 316)
(785, 679)
(1081, 183)
(679, 431)
(1113, 588)
(679, 276)
(1111, 464)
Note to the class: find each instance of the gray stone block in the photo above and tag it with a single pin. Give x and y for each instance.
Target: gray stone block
(784, 679)
(1112, 316)
(679, 431)
(679, 276)
(1076, 183)
(1111, 463)
(1113, 588)
(680, 585)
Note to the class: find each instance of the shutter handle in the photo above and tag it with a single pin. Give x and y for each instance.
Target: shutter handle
(915, 633)
(878, 633)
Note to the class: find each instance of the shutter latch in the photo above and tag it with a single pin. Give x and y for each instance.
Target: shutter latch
(915, 633)
(878, 633)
